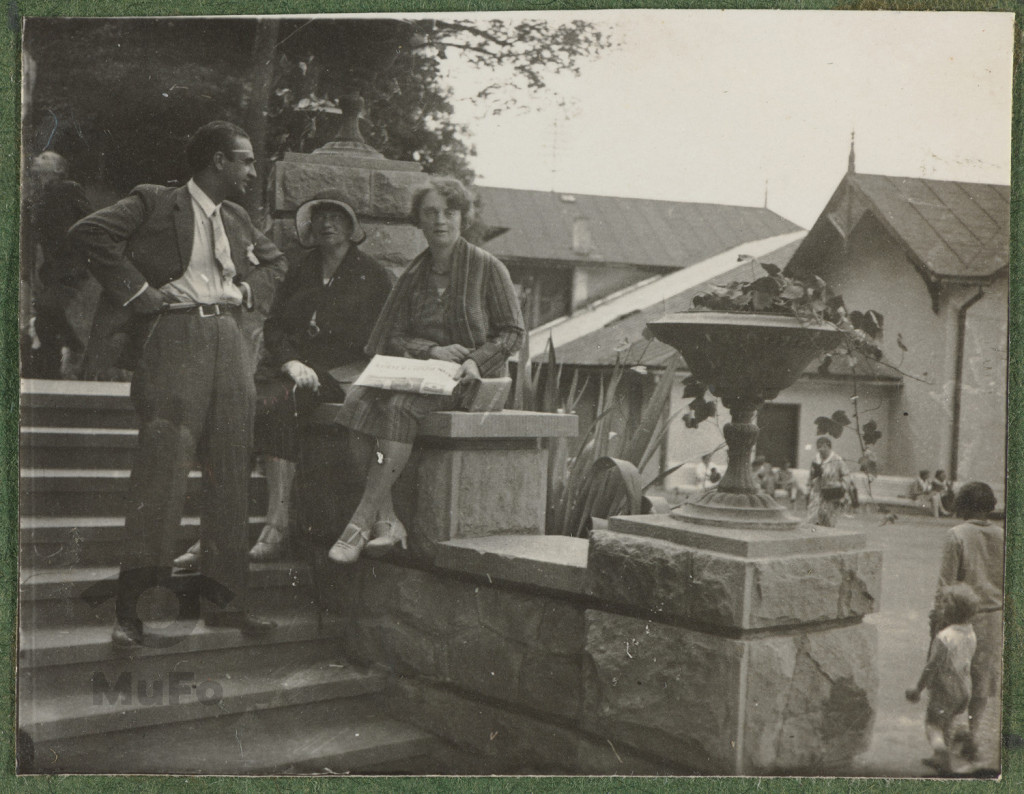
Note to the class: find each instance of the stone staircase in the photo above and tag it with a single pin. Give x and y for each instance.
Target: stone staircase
(197, 700)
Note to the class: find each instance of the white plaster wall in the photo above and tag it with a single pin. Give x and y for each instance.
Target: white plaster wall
(982, 449)
(593, 282)
(821, 397)
(816, 397)
(874, 273)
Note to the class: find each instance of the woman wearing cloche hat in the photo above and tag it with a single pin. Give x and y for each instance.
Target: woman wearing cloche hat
(320, 322)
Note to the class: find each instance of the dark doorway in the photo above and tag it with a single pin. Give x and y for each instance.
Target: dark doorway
(779, 433)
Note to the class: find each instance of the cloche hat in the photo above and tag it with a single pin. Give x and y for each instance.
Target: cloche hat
(334, 198)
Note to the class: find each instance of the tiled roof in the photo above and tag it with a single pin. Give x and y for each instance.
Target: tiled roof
(642, 232)
(951, 229)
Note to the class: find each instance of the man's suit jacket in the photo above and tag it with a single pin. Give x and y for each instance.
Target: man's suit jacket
(146, 238)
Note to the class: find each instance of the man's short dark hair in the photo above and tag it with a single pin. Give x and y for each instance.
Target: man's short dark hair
(974, 500)
(217, 136)
(456, 197)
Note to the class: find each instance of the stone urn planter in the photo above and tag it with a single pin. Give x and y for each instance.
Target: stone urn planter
(744, 359)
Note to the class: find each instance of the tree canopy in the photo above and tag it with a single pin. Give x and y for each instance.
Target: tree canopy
(119, 97)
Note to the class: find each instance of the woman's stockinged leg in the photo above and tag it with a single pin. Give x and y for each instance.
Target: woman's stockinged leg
(386, 465)
(280, 475)
(387, 461)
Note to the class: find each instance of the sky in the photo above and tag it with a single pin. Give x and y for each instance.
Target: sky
(710, 106)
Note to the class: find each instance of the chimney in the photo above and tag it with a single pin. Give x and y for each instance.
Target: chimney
(582, 241)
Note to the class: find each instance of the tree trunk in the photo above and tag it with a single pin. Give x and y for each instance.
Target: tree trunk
(263, 58)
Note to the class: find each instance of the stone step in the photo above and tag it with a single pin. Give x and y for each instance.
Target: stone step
(52, 597)
(46, 403)
(77, 447)
(334, 736)
(267, 685)
(68, 541)
(101, 492)
(73, 659)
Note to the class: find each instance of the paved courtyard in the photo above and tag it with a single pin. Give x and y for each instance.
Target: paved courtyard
(912, 548)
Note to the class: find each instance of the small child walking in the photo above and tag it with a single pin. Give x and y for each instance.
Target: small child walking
(947, 677)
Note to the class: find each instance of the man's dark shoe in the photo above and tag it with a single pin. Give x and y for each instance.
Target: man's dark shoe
(249, 625)
(127, 634)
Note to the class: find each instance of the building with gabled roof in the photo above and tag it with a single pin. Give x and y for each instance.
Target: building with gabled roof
(567, 250)
(932, 257)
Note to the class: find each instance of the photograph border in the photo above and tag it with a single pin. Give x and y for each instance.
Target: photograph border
(10, 145)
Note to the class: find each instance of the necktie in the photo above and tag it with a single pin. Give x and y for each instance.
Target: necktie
(221, 247)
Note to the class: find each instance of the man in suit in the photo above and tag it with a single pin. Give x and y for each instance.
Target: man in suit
(180, 267)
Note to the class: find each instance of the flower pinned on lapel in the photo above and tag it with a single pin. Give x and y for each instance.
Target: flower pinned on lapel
(250, 254)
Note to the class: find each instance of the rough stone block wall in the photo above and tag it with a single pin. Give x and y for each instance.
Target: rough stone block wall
(556, 676)
(380, 192)
(809, 699)
(515, 647)
(726, 591)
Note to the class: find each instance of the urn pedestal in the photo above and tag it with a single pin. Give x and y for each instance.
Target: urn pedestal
(766, 609)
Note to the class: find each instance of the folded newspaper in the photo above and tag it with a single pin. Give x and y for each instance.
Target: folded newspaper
(423, 376)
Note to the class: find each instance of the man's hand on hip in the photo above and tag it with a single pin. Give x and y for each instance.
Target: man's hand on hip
(149, 301)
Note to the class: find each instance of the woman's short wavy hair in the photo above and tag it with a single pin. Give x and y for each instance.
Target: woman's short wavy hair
(974, 500)
(455, 194)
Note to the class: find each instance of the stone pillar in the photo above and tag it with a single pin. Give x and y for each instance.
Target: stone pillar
(379, 190)
(740, 651)
(473, 475)
(482, 474)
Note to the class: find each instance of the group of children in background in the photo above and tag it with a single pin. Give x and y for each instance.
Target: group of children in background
(935, 492)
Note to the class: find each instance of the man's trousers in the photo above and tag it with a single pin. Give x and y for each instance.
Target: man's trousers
(194, 395)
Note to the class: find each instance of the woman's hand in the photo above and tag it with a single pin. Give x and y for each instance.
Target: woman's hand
(454, 353)
(468, 371)
(303, 376)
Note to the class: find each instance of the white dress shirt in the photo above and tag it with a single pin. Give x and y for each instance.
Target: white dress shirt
(203, 280)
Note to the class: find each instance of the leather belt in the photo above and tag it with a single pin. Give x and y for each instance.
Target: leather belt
(203, 309)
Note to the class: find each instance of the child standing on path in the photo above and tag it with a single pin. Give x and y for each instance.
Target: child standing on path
(947, 677)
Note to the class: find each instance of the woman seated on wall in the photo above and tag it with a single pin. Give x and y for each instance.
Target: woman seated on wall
(314, 340)
(455, 302)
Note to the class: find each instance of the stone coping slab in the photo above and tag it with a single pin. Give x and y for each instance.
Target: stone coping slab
(554, 562)
(491, 424)
(804, 539)
(345, 160)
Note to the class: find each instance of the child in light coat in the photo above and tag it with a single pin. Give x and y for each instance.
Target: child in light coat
(947, 677)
